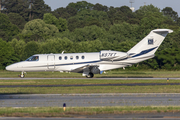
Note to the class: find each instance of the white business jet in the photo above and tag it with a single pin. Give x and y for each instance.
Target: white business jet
(93, 63)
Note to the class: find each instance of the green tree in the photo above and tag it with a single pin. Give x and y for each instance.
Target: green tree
(7, 29)
(90, 46)
(82, 5)
(123, 46)
(171, 41)
(57, 45)
(28, 9)
(168, 11)
(89, 33)
(16, 6)
(37, 8)
(167, 58)
(65, 12)
(6, 54)
(119, 14)
(127, 13)
(178, 21)
(143, 10)
(37, 29)
(18, 46)
(88, 18)
(17, 20)
(60, 23)
(75, 22)
(122, 32)
(30, 49)
(100, 7)
(149, 22)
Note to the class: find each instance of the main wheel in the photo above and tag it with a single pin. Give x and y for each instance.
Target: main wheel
(90, 75)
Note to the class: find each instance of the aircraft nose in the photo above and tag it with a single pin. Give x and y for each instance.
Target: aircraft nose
(11, 67)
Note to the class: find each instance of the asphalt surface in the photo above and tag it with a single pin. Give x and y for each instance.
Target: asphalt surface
(89, 100)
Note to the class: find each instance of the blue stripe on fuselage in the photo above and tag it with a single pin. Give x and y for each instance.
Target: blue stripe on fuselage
(78, 63)
(141, 53)
(144, 52)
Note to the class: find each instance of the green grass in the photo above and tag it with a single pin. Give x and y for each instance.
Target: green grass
(78, 111)
(79, 82)
(87, 89)
(119, 73)
(92, 89)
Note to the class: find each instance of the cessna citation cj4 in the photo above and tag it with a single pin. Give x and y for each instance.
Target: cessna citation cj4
(93, 63)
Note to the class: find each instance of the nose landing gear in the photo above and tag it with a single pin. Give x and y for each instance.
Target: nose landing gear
(21, 75)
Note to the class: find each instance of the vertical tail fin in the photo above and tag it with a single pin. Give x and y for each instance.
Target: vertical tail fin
(150, 43)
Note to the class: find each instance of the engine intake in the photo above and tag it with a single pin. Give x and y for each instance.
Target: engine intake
(95, 70)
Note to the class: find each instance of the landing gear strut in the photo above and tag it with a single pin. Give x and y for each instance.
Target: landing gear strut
(90, 75)
(22, 75)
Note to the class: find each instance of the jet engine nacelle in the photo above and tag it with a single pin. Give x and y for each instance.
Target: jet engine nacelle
(95, 70)
(107, 55)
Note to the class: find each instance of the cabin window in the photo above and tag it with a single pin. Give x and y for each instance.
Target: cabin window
(71, 57)
(77, 57)
(65, 57)
(33, 58)
(60, 58)
(83, 57)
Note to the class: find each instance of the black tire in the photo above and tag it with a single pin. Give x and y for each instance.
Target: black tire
(91, 75)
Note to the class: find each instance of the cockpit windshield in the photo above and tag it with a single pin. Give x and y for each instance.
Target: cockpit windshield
(33, 58)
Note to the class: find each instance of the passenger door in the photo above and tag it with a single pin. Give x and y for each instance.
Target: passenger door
(50, 63)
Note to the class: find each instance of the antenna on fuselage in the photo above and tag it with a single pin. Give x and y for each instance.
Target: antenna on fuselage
(63, 52)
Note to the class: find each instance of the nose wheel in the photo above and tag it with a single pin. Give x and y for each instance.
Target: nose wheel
(21, 75)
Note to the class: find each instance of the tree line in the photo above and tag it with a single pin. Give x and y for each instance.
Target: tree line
(29, 27)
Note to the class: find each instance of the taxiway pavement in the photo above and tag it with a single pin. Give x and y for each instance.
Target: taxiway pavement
(89, 100)
(84, 85)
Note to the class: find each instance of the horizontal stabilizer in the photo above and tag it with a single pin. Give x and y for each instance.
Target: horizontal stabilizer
(162, 30)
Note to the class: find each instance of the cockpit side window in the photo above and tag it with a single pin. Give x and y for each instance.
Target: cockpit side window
(33, 58)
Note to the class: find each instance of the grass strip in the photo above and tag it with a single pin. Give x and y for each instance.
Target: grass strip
(92, 89)
(77, 111)
(118, 73)
(79, 82)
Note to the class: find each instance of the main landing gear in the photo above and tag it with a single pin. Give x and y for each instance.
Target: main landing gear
(90, 75)
(21, 75)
